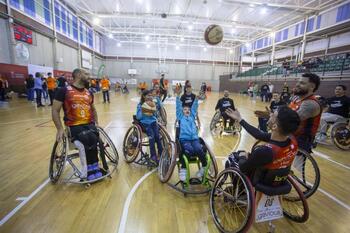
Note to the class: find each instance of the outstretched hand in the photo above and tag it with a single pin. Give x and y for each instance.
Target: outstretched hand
(234, 114)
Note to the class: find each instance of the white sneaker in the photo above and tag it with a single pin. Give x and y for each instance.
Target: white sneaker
(200, 172)
(182, 174)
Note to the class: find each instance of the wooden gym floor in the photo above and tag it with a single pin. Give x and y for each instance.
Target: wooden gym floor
(131, 201)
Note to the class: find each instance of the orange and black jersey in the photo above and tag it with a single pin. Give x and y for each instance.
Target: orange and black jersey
(77, 105)
(308, 127)
(272, 156)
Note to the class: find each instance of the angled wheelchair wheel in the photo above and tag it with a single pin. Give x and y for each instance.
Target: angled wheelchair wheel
(132, 143)
(162, 117)
(167, 162)
(57, 160)
(109, 148)
(232, 202)
(237, 127)
(306, 173)
(213, 169)
(340, 135)
(294, 204)
(215, 124)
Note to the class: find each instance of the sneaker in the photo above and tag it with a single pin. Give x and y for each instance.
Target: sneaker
(183, 174)
(97, 171)
(200, 172)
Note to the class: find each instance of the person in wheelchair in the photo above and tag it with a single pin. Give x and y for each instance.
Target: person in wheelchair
(188, 135)
(80, 117)
(146, 114)
(188, 97)
(337, 111)
(225, 103)
(269, 164)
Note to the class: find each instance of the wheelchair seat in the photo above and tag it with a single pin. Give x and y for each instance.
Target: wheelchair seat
(282, 189)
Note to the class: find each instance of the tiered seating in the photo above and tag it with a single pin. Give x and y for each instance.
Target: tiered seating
(333, 63)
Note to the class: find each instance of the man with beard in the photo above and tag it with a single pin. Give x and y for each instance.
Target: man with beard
(81, 117)
(188, 97)
(308, 108)
(223, 104)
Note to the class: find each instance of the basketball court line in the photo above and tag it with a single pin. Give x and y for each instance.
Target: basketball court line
(127, 203)
(326, 157)
(25, 200)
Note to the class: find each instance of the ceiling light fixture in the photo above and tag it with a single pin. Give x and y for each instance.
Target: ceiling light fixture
(119, 44)
(190, 27)
(263, 10)
(147, 38)
(110, 36)
(182, 39)
(96, 21)
(251, 5)
(205, 49)
(140, 1)
(231, 51)
(247, 44)
(177, 47)
(148, 46)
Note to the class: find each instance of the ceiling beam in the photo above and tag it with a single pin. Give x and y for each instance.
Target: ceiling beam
(179, 18)
(273, 5)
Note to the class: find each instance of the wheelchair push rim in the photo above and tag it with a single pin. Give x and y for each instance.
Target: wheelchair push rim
(294, 205)
(133, 131)
(340, 135)
(306, 173)
(57, 163)
(213, 168)
(232, 202)
(111, 151)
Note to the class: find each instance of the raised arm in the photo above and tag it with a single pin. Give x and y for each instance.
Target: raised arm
(179, 113)
(194, 108)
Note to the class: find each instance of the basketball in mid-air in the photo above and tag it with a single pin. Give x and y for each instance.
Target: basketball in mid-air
(214, 34)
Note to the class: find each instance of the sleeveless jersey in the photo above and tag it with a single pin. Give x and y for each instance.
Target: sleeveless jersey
(307, 127)
(78, 107)
(282, 156)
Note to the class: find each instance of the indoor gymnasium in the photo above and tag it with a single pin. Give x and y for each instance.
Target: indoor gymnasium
(167, 116)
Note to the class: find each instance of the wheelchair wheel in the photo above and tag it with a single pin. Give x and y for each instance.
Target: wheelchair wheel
(237, 127)
(232, 201)
(57, 160)
(162, 116)
(167, 162)
(132, 143)
(340, 135)
(215, 124)
(306, 173)
(213, 169)
(294, 204)
(110, 150)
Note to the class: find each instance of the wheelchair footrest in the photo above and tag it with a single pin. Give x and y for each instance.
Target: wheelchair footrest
(195, 181)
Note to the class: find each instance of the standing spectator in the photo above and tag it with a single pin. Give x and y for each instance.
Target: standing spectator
(45, 92)
(51, 86)
(2, 88)
(61, 81)
(97, 85)
(30, 87)
(255, 90)
(271, 87)
(105, 84)
(250, 89)
(38, 87)
(264, 92)
(286, 68)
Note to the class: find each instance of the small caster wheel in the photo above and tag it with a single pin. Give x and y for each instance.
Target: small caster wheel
(87, 185)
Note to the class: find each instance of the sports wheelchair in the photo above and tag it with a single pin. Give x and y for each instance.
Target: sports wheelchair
(217, 126)
(66, 152)
(339, 133)
(202, 95)
(235, 203)
(136, 140)
(304, 171)
(191, 185)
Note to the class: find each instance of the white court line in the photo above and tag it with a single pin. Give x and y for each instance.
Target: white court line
(27, 199)
(333, 198)
(9, 215)
(124, 217)
(326, 157)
